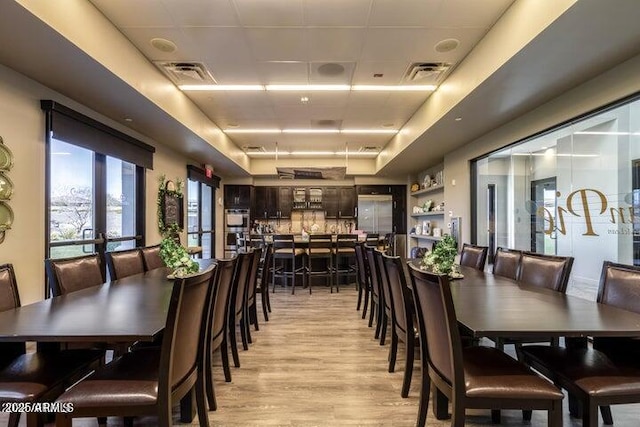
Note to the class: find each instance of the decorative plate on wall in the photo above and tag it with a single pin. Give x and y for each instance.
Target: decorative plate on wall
(6, 157)
(6, 216)
(6, 187)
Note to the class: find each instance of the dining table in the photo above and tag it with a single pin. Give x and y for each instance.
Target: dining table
(126, 310)
(491, 306)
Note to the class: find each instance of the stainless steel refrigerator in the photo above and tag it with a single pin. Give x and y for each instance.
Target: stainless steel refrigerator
(375, 214)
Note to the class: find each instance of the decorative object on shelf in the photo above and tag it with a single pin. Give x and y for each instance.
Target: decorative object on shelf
(426, 182)
(426, 207)
(426, 228)
(418, 229)
(438, 208)
(170, 207)
(441, 259)
(415, 187)
(175, 256)
(6, 189)
(437, 232)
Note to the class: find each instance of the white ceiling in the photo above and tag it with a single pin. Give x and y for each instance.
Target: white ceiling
(285, 41)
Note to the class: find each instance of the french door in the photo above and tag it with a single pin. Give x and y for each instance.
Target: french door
(201, 217)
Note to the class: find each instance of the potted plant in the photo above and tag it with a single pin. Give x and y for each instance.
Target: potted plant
(441, 259)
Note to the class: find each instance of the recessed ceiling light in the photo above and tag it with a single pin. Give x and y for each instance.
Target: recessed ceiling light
(310, 88)
(447, 45)
(163, 45)
(128, 119)
(387, 125)
(378, 75)
(304, 99)
(233, 125)
(390, 88)
(330, 69)
(457, 119)
(314, 131)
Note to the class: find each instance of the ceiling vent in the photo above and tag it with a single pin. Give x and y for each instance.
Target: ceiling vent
(426, 72)
(326, 123)
(182, 73)
(368, 149)
(254, 149)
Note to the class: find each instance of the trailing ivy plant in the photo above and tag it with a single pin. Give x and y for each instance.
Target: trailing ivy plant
(173, 254)
(441, 259)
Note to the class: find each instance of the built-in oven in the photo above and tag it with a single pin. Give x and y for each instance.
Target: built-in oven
(236, 228)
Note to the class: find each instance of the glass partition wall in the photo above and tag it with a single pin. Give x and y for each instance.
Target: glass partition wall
(572, 191)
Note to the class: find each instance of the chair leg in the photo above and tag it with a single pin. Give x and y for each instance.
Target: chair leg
(408, 367)
(378, 322)
(526, 415)
(63, 420)
(607, 418)
(243, 333)
(201, 405)
(253, 313)
(589, 414)
(234, 345)
(268, 302)
(359, 303)
(366, 304)
(457, 415)
(14, 419)
(371, 313)
(128, 421)
(423, 406)
(224, 354)
(393, 350)
(554, 418)
(383, 331)
(496, 416)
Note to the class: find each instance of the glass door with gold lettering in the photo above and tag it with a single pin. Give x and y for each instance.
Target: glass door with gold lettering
(543, 216)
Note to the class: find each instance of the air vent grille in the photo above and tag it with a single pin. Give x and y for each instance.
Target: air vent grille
(427, 72)
(186, 72)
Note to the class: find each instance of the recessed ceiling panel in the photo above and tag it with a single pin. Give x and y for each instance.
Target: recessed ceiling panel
(336, 13)
(272, 13)
(405, 13)
(139, 13)
(278, 44)
(464, 13)
(283, 72)
(336, 44)
(201, 13)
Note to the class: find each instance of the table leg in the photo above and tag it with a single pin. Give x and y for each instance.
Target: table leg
(575, 408)
(187, 407)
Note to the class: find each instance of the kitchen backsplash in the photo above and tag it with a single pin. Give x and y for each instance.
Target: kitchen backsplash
(311, 221)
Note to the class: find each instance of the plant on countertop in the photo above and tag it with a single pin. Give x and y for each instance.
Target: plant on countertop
(173, 254)
(441, 259)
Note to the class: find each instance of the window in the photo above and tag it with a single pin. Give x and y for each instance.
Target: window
(95, 185)
(201, 211)
(573, 190)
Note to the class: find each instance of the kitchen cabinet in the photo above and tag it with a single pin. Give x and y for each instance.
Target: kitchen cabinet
(330, 202)
(347, 202)
(399, 194)
(285, 202)
(237, 196)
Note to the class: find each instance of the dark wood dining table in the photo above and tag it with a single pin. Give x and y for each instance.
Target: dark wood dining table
(498, 307)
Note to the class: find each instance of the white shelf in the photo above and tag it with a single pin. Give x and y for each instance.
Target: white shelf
(418, 215)
(421, 237)
(427, 190)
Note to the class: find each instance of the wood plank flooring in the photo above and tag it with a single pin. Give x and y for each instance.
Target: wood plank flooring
(316, 363)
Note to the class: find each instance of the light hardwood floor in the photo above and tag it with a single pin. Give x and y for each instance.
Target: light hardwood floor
(316, 363)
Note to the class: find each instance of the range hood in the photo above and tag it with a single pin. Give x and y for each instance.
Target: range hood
(335, 173)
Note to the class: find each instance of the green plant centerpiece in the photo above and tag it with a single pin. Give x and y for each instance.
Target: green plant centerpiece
(173, 254)
(441, 259)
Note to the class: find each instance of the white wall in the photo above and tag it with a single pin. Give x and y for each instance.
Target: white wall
(22, 128)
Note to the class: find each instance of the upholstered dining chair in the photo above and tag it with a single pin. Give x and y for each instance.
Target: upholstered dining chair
(218, 325)
(320, 250)
(608, 373)
(473, 377)
(383, 282)
(264, 279)
(250, 312)
(403, 326)
(151, 257)
(506, 262)
(548, 271)
(378, 304)
(149, 381)
(236, 303)
(67, 275)
(473, 256)
(362, 279)
(125, 263)
(40, 376)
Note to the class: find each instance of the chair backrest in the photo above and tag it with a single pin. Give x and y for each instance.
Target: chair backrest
(437, 325)
(9, 299)
(185, 332)
(362, 267)
(620, 286)
(151, 257)
(473, 256)
(252, 282)
(346, 241)
(124, 263)
(390, 243)
(256, 241)
(320, 244)
(546, 271)
(506, 262)
(374, 274)
(225, 270)
(402, 313)
(383, 280)
(265, 276)
(372, 239)
(240, 280)
(282, 242)
(73, 274)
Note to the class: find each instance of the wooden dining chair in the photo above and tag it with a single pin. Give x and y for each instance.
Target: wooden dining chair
(344, 260)
(250, 311)
(320, 250)
(383, 282)
(473, 256)
(547, 271)
(608, 373)
(378, 305)
(218, 325)
(403, 321)
(473, 377)
(362, 279)
(151, 257)
(35, 377)
(264, 279)
(67, 275)
(149, 381)
(506, 262)
(125, 263)
(236, 302)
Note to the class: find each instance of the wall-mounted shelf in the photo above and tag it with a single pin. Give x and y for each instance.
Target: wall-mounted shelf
(418, 215)
(427, 190)
(420, 236)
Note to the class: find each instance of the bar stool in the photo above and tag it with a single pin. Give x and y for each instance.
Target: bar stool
(345, 251)
(284, 249)
(320, 248)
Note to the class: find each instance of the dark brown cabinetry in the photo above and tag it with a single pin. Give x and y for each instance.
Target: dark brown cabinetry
(399, 193)
(272, 202)
(285, 202)
(237, 196)
(339, 202)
